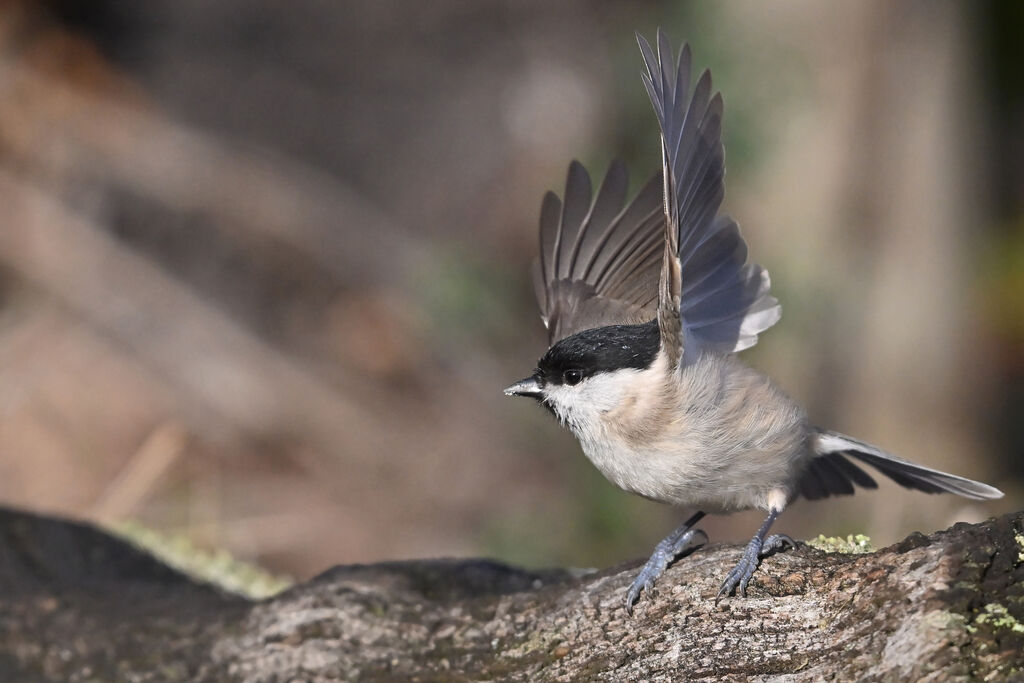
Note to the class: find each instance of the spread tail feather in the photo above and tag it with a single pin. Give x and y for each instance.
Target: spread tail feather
(831, 474)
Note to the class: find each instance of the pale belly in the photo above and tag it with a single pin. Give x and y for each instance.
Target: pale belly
(720, 437)
(699, 473)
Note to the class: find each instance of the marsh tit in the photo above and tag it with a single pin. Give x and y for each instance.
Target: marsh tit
(646, 305)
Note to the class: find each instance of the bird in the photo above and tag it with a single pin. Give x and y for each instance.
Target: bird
(646, 304)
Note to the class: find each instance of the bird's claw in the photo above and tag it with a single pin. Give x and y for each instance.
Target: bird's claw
(663, 555)
(739, 576)
(775, 543)
(639, 585)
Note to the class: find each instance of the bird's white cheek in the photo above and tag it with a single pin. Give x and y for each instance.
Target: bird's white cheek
(582, 406)
(562, 402)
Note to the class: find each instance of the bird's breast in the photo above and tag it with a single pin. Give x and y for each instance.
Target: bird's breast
(719, 439)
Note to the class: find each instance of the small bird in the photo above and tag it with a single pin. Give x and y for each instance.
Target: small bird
(646, 305)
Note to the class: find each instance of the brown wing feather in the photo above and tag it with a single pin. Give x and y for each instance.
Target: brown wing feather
(595, 253)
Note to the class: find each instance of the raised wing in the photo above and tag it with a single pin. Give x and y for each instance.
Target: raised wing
(599, 257)
(724, 301)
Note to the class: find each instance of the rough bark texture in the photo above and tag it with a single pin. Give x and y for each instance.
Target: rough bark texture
(79, 605)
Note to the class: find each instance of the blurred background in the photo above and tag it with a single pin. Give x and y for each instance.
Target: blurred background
(264, 267)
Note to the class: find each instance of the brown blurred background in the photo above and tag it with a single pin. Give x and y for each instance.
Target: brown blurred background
(264, 266)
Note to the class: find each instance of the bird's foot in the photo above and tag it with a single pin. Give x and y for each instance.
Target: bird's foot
(738, 578)
(679, 541)
(775, 543)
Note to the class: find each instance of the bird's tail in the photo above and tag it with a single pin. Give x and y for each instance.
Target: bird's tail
(831, 473)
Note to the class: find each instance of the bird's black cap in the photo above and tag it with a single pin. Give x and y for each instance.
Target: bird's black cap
(602, 349)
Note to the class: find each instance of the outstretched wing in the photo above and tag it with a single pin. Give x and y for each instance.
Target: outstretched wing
(724, 301)
(599, 257)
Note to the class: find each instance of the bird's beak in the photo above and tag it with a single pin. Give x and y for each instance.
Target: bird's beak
(525, 387)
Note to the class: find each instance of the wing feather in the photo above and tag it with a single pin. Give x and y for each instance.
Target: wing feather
(550, 225)
(666, 253)
(593, 250)
(578, 192)
(724, 301)
(632, 257)
(611, 196)
(643, 234)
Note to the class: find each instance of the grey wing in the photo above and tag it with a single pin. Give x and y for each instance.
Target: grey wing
(724, 300)
(599, 256)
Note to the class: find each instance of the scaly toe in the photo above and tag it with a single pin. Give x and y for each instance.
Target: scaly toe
(740, 575)
(728, 585)
(644, 582)
(674, 546)
(775, 543)
(631, 598)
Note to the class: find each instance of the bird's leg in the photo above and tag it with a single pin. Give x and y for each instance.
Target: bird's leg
(758, 547)
(670, 547)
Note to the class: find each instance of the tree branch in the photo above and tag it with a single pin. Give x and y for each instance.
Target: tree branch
(77, 604)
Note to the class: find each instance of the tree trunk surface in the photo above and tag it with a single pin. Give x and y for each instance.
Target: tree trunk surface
(79, 605)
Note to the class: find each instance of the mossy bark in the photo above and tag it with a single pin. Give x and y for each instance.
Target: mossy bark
(78, 605)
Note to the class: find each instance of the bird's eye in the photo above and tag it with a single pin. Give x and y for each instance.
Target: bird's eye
(572, 377)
